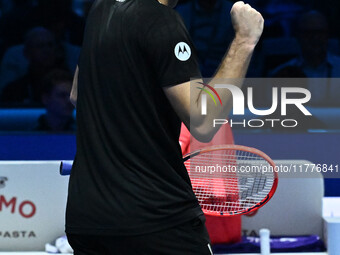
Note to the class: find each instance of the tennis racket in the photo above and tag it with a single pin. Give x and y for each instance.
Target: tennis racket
(227, 180)
(231, 179)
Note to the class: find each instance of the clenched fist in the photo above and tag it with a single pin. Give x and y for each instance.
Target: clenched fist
(247, 22)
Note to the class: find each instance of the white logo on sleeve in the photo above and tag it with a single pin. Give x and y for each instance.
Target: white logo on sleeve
(182, 51)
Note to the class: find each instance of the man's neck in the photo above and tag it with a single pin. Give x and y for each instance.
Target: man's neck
(165, 2)
(169, 3)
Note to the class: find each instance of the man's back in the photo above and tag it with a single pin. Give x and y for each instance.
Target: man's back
(128, 176)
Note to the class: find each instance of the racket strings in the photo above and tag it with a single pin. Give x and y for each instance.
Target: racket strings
(227, 181)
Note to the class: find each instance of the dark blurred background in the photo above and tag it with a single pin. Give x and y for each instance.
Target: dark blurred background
(300, 40)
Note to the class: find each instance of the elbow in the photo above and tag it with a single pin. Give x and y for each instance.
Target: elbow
(204, 138)
(202, 129)
(203, 135)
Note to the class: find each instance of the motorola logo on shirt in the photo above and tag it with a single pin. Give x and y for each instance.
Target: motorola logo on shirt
(182, 51)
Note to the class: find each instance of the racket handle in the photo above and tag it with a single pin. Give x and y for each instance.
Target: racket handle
(65, 167)
(265, 241)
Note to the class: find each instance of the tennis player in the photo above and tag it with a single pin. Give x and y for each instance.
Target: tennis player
(129, 191)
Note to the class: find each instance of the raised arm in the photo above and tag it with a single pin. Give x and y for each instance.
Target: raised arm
(73, 95)
(248, 25)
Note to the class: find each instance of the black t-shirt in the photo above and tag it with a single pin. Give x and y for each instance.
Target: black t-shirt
(128, 177)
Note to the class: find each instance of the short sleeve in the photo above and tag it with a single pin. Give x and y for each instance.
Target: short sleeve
(170, 51)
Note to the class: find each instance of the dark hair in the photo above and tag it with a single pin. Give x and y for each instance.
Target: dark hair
(54, 77)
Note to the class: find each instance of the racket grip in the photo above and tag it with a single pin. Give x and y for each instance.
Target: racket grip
(265, 241)
(65, 167)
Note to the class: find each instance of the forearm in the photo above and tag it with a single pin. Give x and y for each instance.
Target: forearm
(232, 70)
(235, 63)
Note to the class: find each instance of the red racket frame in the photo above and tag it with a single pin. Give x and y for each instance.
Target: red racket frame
(245, 149)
